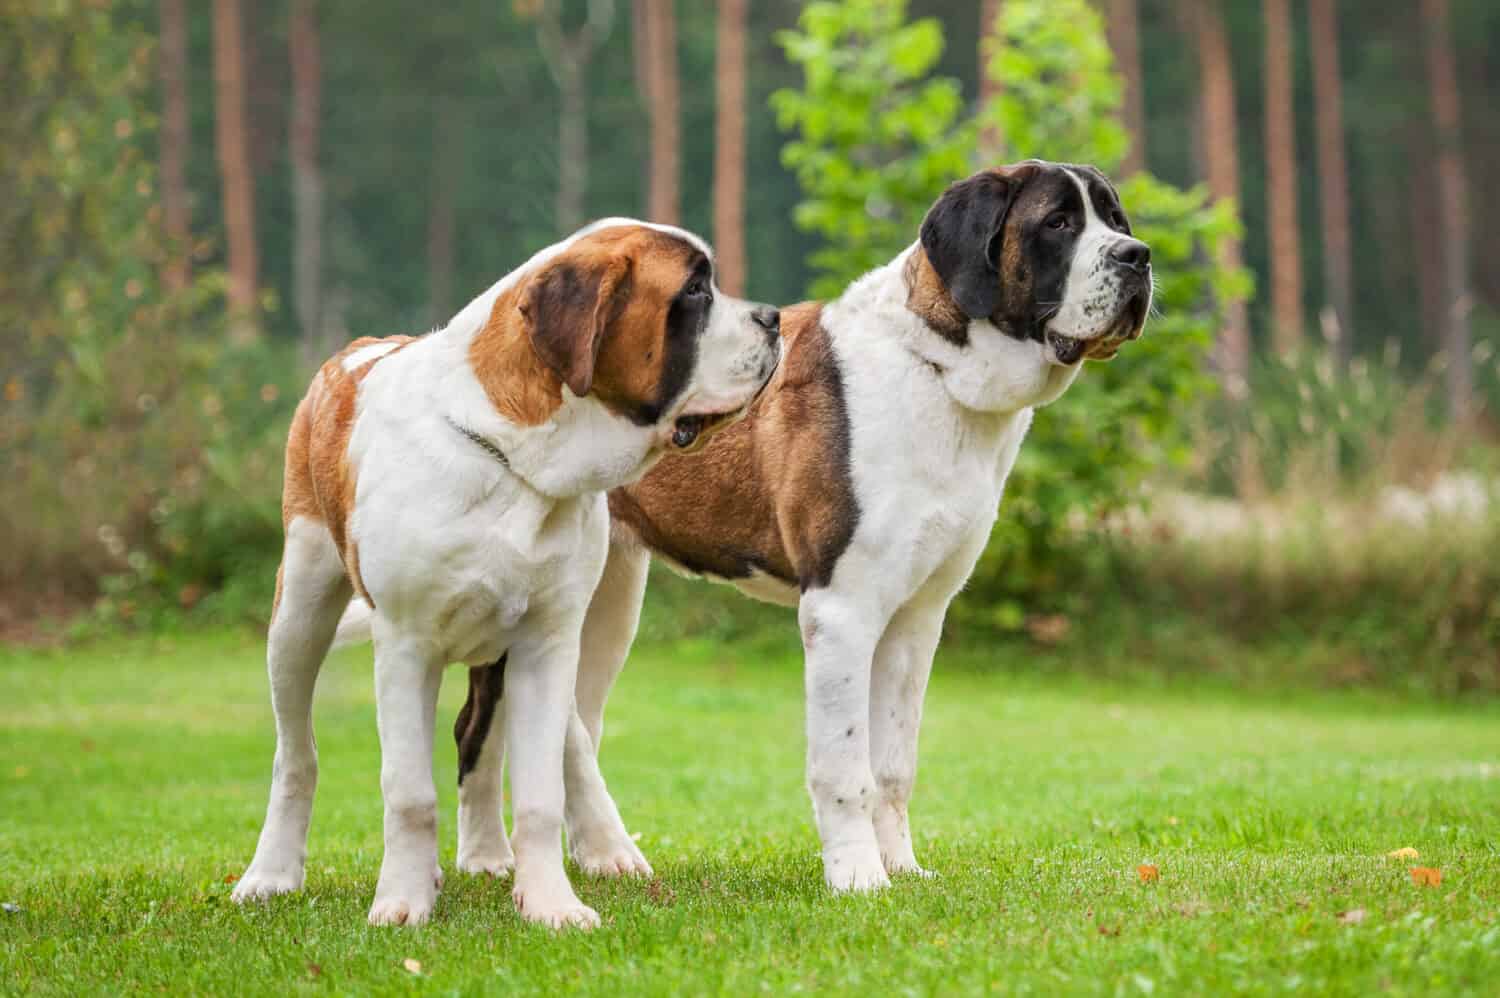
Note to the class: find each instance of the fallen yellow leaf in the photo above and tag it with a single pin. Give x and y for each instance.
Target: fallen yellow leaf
(1148, 873)
(412, 966)
(1426, 876)
(1405, 852)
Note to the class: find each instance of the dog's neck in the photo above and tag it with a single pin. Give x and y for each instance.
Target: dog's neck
(982, 369)
(489, 382)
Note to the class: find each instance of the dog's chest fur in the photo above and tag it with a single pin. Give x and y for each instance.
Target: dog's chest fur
(453, 547)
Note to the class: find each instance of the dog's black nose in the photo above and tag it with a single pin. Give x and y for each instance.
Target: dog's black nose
(767, 318)
(1132, 253)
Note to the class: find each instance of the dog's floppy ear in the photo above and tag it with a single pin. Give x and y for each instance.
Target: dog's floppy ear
(961, 237)
(566, 308)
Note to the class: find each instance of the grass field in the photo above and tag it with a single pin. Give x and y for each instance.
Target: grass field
(133, 777)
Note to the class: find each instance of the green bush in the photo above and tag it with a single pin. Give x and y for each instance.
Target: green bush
(876, 140)
(142, 452)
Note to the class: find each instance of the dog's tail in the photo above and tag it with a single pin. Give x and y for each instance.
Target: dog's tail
(354, 625)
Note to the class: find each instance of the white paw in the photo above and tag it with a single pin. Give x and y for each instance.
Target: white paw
(555, 906)
(401, 910)
(614, 857)
(907, 868)
(494, 864)
(258, 886)
(854, 870)
(562, 914)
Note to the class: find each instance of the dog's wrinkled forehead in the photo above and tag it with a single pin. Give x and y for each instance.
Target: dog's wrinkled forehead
(1046, 188)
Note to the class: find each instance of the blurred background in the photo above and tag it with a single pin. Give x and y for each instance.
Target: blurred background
(1290, 479)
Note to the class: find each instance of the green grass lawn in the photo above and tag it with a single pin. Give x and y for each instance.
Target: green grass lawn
(133, 776)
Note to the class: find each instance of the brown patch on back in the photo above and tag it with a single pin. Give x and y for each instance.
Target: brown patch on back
(625, 278)
(772, 492)
(318, 483)
(929, 299)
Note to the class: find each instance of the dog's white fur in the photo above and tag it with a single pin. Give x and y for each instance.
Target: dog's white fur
(467, 558)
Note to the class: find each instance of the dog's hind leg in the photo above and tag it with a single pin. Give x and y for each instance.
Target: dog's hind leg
(480, 732)
(609, 629)
(597, 838)
(311, 592)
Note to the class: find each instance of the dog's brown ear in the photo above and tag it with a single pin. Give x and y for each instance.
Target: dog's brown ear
(567, 307)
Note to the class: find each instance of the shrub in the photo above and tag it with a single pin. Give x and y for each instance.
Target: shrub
(143, 453)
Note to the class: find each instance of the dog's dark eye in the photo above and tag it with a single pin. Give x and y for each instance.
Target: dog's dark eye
(1057, 220)
(1118, 219)
(697, 288)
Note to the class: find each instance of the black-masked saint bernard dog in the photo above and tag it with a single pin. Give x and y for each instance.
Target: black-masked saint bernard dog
(456, 482)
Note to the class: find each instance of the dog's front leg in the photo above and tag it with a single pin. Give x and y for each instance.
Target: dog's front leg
(538, 705)
(903, 662)
(407, 677)
(838, 638)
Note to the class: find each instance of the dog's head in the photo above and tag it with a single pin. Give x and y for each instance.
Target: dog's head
(627, 314)
(1043, 251)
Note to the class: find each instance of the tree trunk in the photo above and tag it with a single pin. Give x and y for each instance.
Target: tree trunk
(991, 142)
(1281, 181)
(1453, 196)
(1125, 41)
(663, 107)
(175, 142)
(729, 148)
(237, 181)
(1333, 174)
(572, 146)
(440, 220)
(1221, 152)
(307, 177)
(568, 58)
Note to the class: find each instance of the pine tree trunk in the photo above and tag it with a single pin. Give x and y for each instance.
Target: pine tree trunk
(729, 148)
(237, 180)
(440, 219)
(1333, 174)
(567, 59)
(1453, 222)
(307, 176)
(662, 203)
(572, 146)
(1281, 180)
(175, 142)
(1125, 41)
(1221, 152)
(991, 142)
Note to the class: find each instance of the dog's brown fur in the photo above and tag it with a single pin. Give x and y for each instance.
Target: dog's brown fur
(773, 492)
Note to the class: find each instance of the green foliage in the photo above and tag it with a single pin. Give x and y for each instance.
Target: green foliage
(869, 176)
(140, 450)
(1054, 56)
(876, 136)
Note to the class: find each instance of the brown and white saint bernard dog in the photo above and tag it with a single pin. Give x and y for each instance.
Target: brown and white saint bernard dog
(862, 487)
(456, 482)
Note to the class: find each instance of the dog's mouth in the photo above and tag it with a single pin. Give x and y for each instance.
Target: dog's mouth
(691, 432)
(1127, 326)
